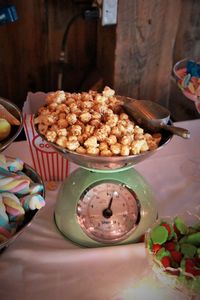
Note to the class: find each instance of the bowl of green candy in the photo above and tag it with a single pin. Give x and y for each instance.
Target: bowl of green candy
(173, 249)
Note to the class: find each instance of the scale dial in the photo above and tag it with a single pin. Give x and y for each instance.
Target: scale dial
(108, 212)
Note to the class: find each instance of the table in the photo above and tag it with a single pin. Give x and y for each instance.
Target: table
(42, 264)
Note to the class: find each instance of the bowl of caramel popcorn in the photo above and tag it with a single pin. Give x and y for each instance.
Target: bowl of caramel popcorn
(92, 130)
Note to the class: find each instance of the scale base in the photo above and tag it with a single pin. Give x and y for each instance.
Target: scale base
(66, 217)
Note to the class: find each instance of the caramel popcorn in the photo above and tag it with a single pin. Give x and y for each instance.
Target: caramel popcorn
(92, 123)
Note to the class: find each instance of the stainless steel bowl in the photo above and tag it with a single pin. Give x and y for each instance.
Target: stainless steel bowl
(29, 215)
(15, 130)
(108, 163)
(113, 163)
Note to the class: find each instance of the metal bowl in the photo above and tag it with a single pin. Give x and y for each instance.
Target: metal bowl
(103, 163)
(116, 163)
(29, 215)
(15, 130)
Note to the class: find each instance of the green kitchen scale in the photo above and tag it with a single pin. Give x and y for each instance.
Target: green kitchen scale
(100, 208)
(105, 201)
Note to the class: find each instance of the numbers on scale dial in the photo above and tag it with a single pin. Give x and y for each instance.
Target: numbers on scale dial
(108, 211)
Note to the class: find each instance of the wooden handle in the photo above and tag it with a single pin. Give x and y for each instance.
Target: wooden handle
(182, 132)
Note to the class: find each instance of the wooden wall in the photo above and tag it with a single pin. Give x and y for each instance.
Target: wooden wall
(144, 48)
(30, 48)
(135, 57)
(187, 44)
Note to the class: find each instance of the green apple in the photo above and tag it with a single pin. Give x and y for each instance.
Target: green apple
(5, 129)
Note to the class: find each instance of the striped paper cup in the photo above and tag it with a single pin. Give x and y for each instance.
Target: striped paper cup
(51, 165)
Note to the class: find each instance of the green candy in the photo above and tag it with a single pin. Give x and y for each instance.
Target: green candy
(159, 235)
(172, 233)
(150, 244)
(197, 226)
(182, 264)
(180, 225)
(162, 253)
(183, 240)
(198, 252)
(191, 230)
(194, 239)
(188, 250)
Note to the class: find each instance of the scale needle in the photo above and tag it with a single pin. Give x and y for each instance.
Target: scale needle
(107, 212)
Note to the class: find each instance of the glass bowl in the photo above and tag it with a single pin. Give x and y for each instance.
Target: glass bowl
(189, 85)
(171, 261)
(15, 130)
(29, 214)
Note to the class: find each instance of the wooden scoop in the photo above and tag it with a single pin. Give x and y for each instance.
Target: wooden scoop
(5, 114)
(152, 116)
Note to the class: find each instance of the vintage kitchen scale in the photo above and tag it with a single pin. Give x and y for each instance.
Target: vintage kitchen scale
(105, 201)
(105, 207)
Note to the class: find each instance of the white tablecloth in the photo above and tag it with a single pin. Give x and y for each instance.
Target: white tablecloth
(42, 264)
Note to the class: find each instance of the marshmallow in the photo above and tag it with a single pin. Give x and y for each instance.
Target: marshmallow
(13, 207)
(32, 202)
(15, 184)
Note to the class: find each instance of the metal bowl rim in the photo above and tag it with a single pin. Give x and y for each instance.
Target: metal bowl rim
(20, 127)
(103, 159)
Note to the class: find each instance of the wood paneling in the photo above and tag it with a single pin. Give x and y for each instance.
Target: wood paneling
(135, 57)
(24, 54)
(144, 47)
(187, 44)
(188, 36)
(30, 48)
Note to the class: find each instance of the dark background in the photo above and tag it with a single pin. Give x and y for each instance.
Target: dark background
(135, 57)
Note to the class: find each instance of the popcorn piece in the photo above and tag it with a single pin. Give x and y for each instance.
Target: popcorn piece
(106, 152)
(72, 145)
(108, 92)
(85, 117)
(81, 150)
(71, 118)
(138, 146)
(92, 150)
(61, 141)
(111, 139)
(125, 150)
(76, 130)
(103, 146)
(91, 142)
(57, 97)
(116, 148)
(51, 136)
